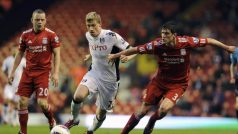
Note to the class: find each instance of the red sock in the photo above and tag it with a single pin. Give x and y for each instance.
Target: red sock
(23, 119)
(48, 114)
(132, 122)
(152, 120)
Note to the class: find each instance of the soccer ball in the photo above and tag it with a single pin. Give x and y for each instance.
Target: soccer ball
(60, 129)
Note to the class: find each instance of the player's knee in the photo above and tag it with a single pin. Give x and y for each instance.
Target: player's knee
(43, 104)
(164, 109)
(23, 103)
(78, 98)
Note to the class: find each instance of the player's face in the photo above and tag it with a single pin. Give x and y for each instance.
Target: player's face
(38, 21)
(93, 27)
(167, 36)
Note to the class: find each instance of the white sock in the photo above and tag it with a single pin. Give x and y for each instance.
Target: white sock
(96, 124)
(75, 109)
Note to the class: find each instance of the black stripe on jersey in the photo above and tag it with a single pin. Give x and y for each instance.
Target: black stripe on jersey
(117, 61)
(128, 46)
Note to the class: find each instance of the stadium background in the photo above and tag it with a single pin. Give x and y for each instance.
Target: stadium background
(209, 93)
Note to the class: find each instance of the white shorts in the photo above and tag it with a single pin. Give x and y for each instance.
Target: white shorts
(9, 93)
(106, 91)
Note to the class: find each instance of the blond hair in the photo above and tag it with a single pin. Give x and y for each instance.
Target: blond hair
(91, 16)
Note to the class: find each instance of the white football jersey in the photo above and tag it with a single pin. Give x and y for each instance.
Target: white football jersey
(8, 65)
(106, 43)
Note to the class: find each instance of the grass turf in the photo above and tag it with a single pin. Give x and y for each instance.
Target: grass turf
(5, 129)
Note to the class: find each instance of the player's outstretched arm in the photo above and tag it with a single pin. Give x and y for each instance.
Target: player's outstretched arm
(17, 61)
(127, 52)
(215, 42)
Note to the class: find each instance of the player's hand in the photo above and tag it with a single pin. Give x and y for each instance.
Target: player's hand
(232, 80)
(87, 57)
(124, 58)
(231, 49)
(55, 79)
(10, 79)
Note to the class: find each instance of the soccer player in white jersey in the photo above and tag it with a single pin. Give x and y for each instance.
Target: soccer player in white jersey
(9, 112)
(103, 77)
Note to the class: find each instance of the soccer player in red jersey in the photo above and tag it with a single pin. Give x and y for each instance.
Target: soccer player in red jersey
(172, 77)
(39, 43)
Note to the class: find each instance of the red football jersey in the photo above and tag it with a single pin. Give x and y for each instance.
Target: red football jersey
(174, 62)
(38, 48)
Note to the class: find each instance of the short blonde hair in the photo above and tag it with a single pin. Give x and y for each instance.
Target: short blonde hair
(91, 16)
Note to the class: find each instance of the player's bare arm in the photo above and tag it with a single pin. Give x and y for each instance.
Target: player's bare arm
(232, 79)
(230, 49)
(55, 75)
(17, 61)
(127, 52)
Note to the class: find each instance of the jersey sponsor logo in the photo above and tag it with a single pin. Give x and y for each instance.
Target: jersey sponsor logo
(202, 41)
(149, 46)
(99, 47)
(183, 51)
(173, 60)
(195, 40)
(182, 40)
(37, 49)
(44, 40)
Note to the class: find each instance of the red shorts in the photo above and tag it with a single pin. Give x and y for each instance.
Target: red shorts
(37, 81)
(155, 92)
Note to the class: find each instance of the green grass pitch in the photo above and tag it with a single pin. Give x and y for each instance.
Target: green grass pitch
(5, 129)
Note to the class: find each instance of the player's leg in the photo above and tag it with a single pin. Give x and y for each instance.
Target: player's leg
(135, 118)
(165, 107)
(7, 95)
(24, 91)
(97, 120)
(80, 95)
(107, 92)
(41, 87)
(171, 97)
(23, 114)
(88, 84)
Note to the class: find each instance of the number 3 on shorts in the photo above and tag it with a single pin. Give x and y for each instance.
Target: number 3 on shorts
(175, 97)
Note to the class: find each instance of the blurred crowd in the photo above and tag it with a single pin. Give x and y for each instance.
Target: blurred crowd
(209, 92)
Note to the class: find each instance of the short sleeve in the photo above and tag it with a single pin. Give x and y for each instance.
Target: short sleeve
(22, 44)
(196, 42)
(120, 42)
(148, 48)
(55, 42)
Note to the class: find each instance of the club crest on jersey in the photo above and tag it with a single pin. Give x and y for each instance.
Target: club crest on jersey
(102, 40)
(44, 40)
(149, 46)
(183, 51)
